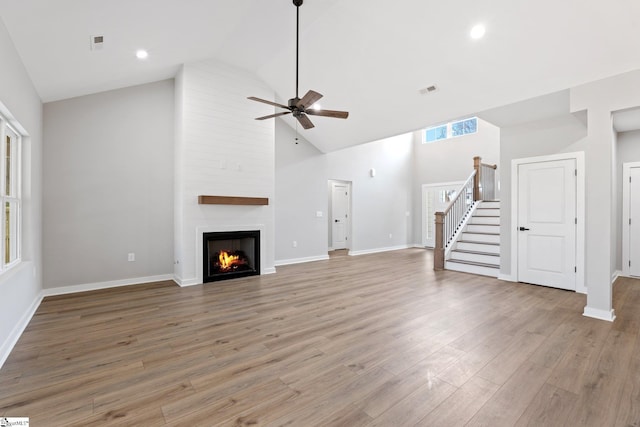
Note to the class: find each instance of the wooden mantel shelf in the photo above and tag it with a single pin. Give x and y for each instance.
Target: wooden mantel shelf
(232, 200)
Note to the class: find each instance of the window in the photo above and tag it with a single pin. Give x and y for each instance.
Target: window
(450, 130)
(10, 194)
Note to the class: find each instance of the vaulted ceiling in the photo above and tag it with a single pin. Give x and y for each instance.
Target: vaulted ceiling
(370, 57)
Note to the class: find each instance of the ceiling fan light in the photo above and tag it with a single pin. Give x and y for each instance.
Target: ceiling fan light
(316, 107)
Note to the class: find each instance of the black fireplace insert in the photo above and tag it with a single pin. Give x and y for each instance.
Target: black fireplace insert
(230, 254)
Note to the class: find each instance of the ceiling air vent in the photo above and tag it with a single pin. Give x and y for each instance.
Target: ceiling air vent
(96, 42)
(427, 90)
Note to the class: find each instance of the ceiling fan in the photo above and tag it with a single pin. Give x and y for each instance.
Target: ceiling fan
(301, 107)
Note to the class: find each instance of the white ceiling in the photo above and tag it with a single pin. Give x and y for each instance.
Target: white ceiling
(370, 57)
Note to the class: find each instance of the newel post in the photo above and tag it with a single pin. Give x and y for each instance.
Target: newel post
(438, 251)
(477, 161)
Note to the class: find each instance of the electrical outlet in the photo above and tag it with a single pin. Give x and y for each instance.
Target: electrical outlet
(390, 236)
(295, 244)
(131, 256)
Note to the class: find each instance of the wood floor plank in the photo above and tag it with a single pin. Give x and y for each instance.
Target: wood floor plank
(580, 357)
(401, 386)
(508, 404)
(417, 405)
(629, 409)
(551, 407)
(462, 405)
(601, 395)
(378, 339)
(511, 358)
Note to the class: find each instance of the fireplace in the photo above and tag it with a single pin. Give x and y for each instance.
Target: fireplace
(230, 254)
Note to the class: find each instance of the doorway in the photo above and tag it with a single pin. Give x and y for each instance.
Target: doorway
(631, 219)
(548, 221)
(340, 217)
(435, 198)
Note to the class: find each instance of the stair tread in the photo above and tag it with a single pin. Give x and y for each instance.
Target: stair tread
(466, 251)
(481, 232)
(479, 264)
(480, 243)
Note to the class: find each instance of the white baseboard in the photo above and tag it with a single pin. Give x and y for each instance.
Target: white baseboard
(581, 289)
(596, 313)
(507, 277)
(17, 331)
(269, 270)
(186, 282)
(105, 285)
(615, 276)
(378, 250)
(301, 260)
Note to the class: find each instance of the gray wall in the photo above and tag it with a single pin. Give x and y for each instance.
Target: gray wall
(561, 134)
(20, 287)
(381, 205)
(301, 192)
(450, 160)
(108, 186)
(628, 150)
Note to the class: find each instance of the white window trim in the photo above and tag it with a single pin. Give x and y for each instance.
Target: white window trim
(450, 134)
(17, 197)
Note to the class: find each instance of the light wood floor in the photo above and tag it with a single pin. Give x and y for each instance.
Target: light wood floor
(375, 340)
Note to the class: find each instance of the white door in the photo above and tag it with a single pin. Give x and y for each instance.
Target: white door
(435, 198)
(634, 222)
(546, 223)
(339, 215)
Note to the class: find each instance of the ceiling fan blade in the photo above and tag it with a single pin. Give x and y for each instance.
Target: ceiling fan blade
(304, 121)
(264, 101)
(308, 100)
(329, 113)
(271, 116)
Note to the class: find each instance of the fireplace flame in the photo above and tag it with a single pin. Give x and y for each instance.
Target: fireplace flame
(228, 261)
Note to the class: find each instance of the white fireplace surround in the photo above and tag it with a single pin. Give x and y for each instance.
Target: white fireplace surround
(222, 228)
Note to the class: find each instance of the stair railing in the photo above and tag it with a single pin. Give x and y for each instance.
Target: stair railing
(484, 186)
(479, 186)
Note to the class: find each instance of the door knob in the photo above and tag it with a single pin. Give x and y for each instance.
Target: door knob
(524, 229)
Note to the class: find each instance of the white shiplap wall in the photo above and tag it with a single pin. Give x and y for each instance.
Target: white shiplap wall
(221, 151)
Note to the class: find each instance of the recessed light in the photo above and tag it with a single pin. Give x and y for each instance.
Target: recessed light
(142, 54)
(477, 32)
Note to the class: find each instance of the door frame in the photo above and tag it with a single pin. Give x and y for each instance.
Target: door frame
(580, 212)
(626, 173)
(330, 212)
(425, 188)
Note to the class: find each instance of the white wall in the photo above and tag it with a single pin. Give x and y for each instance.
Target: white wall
(300, 192)
(600, 99)
(561, 134)
(220, 151)
(628, 150)
(450, 160)
(108, 186)
(381, 205)
(20, 287)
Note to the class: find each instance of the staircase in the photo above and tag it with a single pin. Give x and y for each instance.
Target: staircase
(477, 249)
